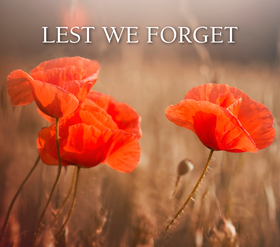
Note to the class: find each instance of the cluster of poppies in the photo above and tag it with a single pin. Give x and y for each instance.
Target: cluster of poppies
(88, 128)
(93, 127)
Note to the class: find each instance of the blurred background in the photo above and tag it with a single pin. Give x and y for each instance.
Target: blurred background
(238, 203)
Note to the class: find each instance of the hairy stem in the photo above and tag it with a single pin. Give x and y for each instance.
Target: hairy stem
(72, 206)
(15, 197)
(176, 185)
(54, 185)
(193, 191)
(66, 198)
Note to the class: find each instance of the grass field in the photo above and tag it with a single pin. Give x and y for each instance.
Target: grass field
(236, 205)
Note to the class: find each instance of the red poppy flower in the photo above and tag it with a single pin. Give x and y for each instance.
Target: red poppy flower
(123, 115)
(89, 137)
(58, 86)
(224, 118)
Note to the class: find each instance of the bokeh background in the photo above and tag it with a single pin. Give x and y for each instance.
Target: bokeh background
(238, 203)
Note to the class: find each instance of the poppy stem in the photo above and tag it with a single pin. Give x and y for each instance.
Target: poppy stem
(176, 185)
(72, 206)
(55, 183)
(193, 191)
(15, 197)
(66, 198)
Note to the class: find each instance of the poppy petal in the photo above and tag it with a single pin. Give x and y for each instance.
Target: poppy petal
(123, 115)
(18, 88)
(126, 118)
(81, 88)
(258, 121)
(99, 120)
(101, 99)
(91, 114)
(208, 92)
(225, 100)
(255, 118)
(46, 145)
(216, 127)
(52, 100)
(86, 146)
(124, 153)
(46, 117)
(59, 76)
(82, 146)
(90, 67)
(234, 107)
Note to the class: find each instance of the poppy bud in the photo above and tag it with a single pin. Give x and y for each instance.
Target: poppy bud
(184, 167)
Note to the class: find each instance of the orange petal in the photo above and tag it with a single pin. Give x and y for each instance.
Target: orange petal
(59, 76)
(52, 100)
(234, 107)
(46, 117)
(91, 114)
(87, 147)
(207, 92)
(101, 99)
(225, 100)
(258, 121)
(46, 145)
(82, 146)
(255, 118)
(124, 116)
(98, 119)
(18, 88)
(216, 127)
(90, 67)
(124, 154)
(81, 88)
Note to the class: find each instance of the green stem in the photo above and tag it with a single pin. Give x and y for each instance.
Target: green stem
(15, 197)
(72, 206)
(66, 198)
(193, 191)
(54, 185)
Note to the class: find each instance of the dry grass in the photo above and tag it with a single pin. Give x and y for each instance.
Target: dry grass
(237, 204)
